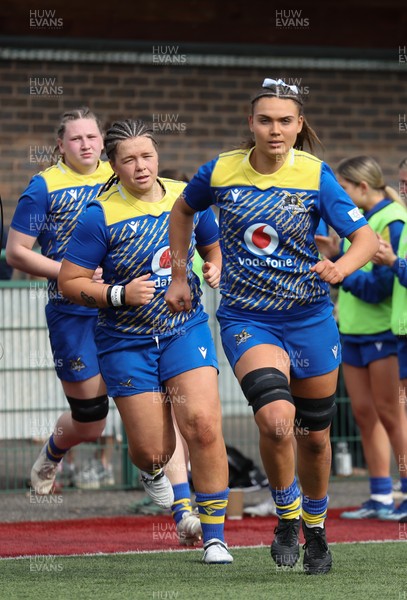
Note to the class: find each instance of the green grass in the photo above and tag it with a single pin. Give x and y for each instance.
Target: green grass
(361, 572)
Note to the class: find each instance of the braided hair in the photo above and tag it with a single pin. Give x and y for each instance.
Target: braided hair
(120, 131)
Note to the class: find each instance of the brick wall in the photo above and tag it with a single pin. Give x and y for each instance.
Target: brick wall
(202, 109)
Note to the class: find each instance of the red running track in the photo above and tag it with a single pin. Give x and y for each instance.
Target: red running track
(134, 533)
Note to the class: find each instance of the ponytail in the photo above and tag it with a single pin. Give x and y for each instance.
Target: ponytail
(365, 168)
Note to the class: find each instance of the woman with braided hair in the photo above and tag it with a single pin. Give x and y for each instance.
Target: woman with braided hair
(149, 357)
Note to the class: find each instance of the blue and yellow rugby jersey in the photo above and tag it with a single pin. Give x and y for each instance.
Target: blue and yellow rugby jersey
(128, 237)
(49, 209)
(267, 226)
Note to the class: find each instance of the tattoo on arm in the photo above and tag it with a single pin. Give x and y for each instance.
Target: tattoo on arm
(89, 300)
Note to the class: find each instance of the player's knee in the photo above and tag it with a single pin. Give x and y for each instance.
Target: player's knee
(279, 427)
(266, 385)
(362, 416)
(89, 411)
(391, 422)
(317, 443)
(149, 459)
(202, 431)
(314, 414)
(89, 432)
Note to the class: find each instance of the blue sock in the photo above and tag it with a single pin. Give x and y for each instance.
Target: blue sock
(403, 481)
(53, 452)
(380, 485)
(381, 489)
(212, 510)
(182, 501)
(314, 511)
(288, 501)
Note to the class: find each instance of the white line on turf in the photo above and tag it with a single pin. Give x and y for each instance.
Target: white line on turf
(175, 550)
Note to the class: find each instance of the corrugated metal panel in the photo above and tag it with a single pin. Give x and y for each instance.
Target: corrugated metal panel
(204, 60)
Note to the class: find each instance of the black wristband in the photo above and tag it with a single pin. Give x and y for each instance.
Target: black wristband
(115, 295)
(108, 295)
(123, 295)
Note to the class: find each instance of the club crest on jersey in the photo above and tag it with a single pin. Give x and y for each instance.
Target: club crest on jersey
(242, 337)
(293, 203)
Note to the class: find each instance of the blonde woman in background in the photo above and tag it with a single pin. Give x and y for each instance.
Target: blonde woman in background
(369, 348)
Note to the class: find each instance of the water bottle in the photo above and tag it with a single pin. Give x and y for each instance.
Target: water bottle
(343, 460)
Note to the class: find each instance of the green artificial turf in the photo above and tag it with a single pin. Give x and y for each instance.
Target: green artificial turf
(361, 572)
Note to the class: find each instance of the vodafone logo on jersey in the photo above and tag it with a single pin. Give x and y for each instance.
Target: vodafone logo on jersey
(161, 263)
(261, 239)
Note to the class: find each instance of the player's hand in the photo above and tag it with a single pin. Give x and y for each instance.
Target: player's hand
(178, 296)
(385, 254)
(98, 275)
(328, 245)
(140, 291)
(328, 271)
(211, 274)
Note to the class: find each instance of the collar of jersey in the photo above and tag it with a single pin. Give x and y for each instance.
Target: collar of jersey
(376, 208)
(265, 181)
(155, 209)
(79, 176)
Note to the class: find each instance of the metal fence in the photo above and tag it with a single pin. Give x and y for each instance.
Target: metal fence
(31, 397)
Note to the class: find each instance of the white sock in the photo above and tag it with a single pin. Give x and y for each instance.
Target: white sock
(321, 525)
(383, 498)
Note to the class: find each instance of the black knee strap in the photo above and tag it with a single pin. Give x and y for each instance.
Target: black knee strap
(265, 385)
(314, 414)
(87, 411)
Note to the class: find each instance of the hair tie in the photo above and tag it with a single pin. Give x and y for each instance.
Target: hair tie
(268, 83)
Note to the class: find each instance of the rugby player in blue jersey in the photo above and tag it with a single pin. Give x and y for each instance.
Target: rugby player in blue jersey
(275, 315)
(149, 357)
(47, 212)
